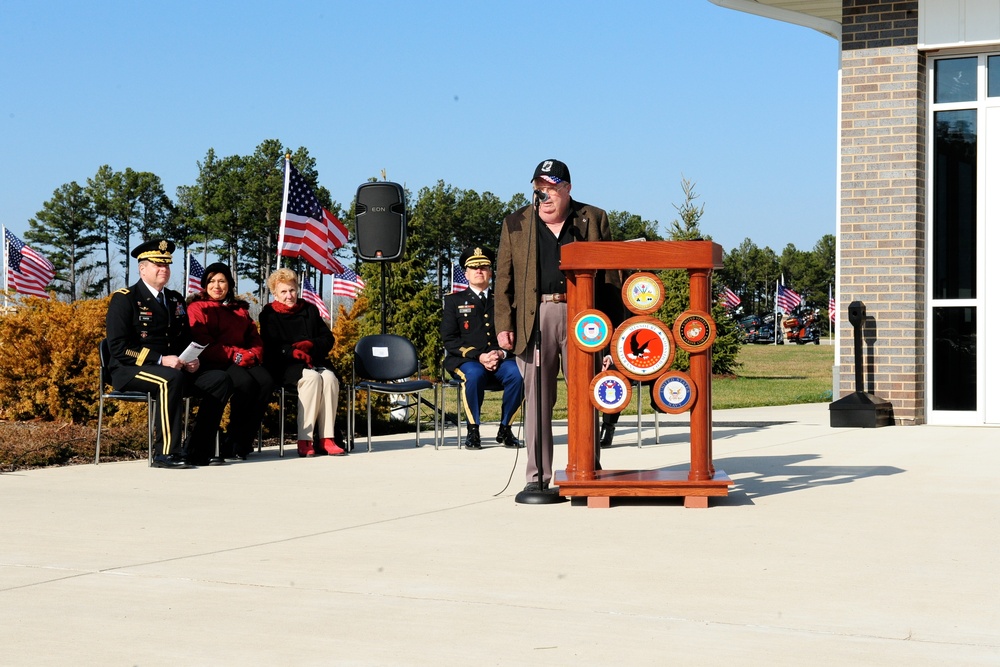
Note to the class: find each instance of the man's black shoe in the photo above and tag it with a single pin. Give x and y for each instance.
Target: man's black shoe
(472, 440)
(607, 435)
(506, 436)
(217, 461)
(532, 487)
(161, 461)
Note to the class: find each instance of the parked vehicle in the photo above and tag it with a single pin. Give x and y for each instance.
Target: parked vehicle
(802, 326)
(757, 328)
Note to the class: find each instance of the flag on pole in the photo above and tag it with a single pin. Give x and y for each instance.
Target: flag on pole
(459, 283)
(787, 299)
(310, 295)
(308, 230)
(832, 307)
(195, 272)
(27, 271)
(729, 298)
(347, 283)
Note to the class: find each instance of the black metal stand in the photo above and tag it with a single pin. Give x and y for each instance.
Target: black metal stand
(545, 495)
(860, 409)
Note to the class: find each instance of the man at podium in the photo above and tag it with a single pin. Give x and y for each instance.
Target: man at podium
(530, 295)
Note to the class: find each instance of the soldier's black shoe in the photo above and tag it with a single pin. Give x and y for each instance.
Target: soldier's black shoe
(607, 435)
(506, 436)
(472, 440)
(162, 461)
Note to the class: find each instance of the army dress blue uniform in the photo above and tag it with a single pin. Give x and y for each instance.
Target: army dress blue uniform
(140, 330)
(467, 331)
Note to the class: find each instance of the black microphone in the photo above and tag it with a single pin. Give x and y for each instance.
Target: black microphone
(541, 196)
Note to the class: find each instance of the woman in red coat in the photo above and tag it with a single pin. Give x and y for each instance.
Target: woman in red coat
(223, 323)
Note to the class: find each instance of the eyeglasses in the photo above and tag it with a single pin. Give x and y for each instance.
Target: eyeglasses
(477, 268)
(550, 189)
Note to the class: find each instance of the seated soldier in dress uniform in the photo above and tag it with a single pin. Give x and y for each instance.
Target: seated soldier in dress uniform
(474, 356)
(147, 328)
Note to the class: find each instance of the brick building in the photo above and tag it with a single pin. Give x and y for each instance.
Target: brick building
(919, 199)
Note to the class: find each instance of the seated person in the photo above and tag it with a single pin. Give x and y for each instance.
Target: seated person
(223, 324)
(473, 355)
(296, 344)
(147, 327)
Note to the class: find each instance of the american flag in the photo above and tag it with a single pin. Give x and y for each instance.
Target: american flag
(729, 298)
(307, 229)
(27, 271)
(195, 272)
(459, 283)
(310, 295)
(832, 307)
(347, 283)
(787, 299)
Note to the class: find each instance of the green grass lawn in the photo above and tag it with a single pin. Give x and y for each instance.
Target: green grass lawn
(768, 375)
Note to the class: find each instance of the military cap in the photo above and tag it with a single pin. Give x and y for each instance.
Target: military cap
(158, 251)
(475, 256)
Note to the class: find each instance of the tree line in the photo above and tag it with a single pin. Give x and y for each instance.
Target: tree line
(232, 210)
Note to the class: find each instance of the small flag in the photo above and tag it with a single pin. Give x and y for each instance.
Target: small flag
(729, 298)
(27, 271)
(347, 283)
(459, 283)
(832, 307)
(310, 295)
(787, 299)
(195, 272)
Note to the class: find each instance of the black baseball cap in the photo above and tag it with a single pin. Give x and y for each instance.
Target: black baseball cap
(552, 171)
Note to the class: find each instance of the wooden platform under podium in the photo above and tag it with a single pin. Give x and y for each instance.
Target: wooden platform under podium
(580, 262)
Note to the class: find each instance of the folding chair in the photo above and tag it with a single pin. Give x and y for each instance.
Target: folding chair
(104, 382)
(386, 364)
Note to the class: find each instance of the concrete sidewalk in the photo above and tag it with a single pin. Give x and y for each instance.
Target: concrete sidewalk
(835, 547)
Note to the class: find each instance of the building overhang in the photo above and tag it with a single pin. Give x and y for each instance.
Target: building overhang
(824, 16)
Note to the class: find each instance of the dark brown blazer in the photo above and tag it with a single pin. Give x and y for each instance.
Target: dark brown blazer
(515, 279)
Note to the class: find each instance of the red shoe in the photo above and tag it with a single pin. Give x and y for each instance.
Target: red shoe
(306, 448)
(332, 448)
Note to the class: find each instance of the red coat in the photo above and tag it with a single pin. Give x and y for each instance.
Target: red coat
(227, 329)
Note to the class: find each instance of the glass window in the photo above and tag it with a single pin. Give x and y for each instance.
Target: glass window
(955, 80)
(993, 76)
(953, 267)
(954, 332)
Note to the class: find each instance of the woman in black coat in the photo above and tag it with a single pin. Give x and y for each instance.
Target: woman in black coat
(296, 344)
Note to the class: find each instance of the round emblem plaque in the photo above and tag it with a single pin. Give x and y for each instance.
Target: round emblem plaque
(674, 392)
(642, 348)
(694, 330)
(590, 330)
(610, 391)
(642, 293)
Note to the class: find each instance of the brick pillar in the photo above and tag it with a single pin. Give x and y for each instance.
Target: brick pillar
(882, 236)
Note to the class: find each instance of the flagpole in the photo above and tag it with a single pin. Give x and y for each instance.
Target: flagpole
(284, 211)
(777, 323)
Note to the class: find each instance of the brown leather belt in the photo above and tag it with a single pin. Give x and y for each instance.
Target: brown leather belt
(553, 298)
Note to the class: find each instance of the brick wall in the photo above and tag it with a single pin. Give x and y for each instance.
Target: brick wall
(876, 24)
(882, 201)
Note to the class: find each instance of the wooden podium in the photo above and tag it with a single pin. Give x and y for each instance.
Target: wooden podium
(580, 263)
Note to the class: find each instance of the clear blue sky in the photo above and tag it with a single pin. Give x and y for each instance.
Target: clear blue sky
(632, 96)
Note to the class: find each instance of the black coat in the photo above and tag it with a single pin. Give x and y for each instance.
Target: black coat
(281, 330)
(467, 328)
(140, 331)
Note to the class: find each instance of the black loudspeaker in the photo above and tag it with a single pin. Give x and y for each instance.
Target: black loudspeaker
(380, 212)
